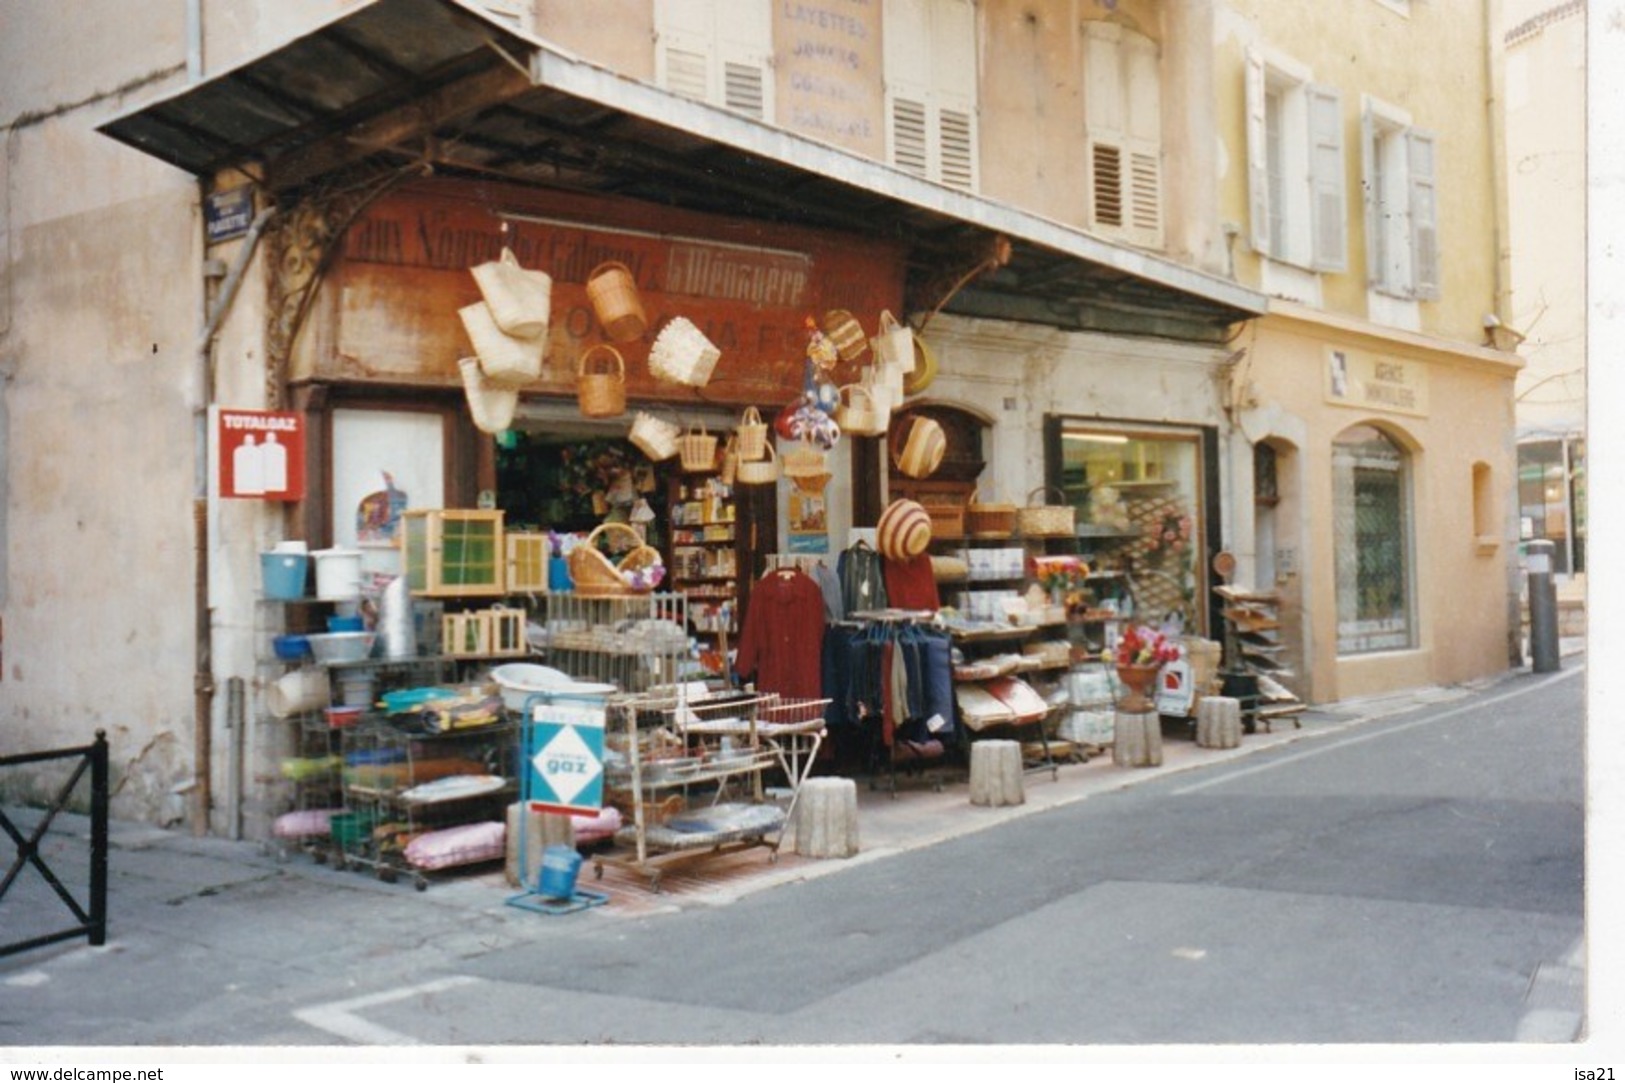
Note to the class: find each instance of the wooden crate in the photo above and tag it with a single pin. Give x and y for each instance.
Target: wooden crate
(453, 552)
(527, 562)
(466, 635)
(508, 631)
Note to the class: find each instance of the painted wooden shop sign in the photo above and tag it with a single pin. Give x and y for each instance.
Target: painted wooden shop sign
(404, 273)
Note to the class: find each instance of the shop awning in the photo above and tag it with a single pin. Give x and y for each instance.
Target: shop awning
(442, 82)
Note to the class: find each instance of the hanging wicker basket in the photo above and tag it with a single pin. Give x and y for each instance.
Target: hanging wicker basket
(593, 574)
(763, 471)
(1047, 520)
(491, 406)
(504, 358)
(655, 436)
(730, 462)
(697, 450)
(682, 354)
(751, 435)
(805, 461)
(613, 293)
(858, 413)
(521, 301)
(601, 382)
(846, 333)
(894, 345)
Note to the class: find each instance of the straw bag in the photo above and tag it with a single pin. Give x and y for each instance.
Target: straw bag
(730, 462)
(697, 450)
(655, 436)
(1047, 520)
(846, 333)
(491, 406)
(764, 471)
(593, 574)
(504, 358)
(805, 461)
(601, 393)
(751, 434)
(859, 415)
(520, 301)
(989, 520)
(923, 449)
(615, 301)
(894, 345)
(682, 354)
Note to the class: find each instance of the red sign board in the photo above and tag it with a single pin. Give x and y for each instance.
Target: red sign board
(261, 454)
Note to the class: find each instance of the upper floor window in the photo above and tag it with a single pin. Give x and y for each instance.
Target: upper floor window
(930, 62)
(1123, 130)
(1295, 172)
(1401, 205)
(717, 52)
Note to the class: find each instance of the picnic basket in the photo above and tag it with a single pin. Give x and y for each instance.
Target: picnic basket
(1047, 520)
(613, 294)
(989, 520)
(697, 450)
(593, 574)
(601, 391)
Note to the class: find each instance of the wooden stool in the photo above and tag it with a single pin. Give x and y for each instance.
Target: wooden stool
(541, 830)
(1218, 722)
(827, 818)
(995, 773)
(1137, 739)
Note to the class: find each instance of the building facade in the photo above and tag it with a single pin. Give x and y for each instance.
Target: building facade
(1087, 210)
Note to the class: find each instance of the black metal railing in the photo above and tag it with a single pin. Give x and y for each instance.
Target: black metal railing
(92, 923)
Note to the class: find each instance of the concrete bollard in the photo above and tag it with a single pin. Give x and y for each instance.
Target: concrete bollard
(541, 830)
(995, 773)
(1137, 739)
(1218, 722)
(827, 818)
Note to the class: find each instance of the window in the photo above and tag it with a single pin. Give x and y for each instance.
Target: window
(1401, 205)
(1123, 130)
(1296, 189)
(716, 52)
(930, 61)
(1372, 540)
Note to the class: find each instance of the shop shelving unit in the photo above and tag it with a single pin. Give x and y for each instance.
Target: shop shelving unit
(705, 557)
(634, 641)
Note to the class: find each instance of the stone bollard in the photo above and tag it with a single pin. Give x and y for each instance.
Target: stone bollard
(1218, 722)
(995, 773)
(541, 830)
(1137, 739)
(827, 818)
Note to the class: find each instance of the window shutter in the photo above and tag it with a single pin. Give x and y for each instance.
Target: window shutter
(952, 56)
(1258, 180)
(1371, 200)
(744, 36)
(956, 141)
(908, 76)
(1106, 126)
(1143, 95)
(1328, 213)
(907, 136)
(1424, 215)
(683, 49)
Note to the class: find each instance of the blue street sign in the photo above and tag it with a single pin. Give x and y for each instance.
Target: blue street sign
(228, 214)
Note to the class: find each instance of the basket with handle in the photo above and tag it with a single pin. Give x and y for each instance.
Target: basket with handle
(1047, 520)
(858, 413)
(846, 333)
(763, 471)
(989, 520)
(751, 435)
(593, 574)
(894, 345)
(682, 354)
(613, 293)
(491, 406)
(601, 382)
(654, 435)
(697, 450)
(521, 301)
(804, 461)
(506, 359)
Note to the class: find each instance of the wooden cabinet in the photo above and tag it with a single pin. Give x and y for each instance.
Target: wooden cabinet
(453, 553)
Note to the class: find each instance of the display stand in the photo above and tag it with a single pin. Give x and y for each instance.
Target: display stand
(531, 898)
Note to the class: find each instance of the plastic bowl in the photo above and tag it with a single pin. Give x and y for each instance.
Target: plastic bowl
(345, 624)
(335, 647)
(339, 717)
(291, 648)
(521, 680)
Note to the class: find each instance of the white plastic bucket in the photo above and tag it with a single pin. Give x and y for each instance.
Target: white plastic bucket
(338, 574)
(298, 691)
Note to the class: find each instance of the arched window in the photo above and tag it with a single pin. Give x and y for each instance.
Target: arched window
(1372, 538)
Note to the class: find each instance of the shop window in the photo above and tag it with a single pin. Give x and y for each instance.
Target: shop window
(1401, 205)
(1123, 130)
(716, 52)
(930, 65)
(1296, 190)
(1371, 522)
(1141, 512)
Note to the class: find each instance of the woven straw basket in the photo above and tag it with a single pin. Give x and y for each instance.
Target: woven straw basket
(989, 520)
(805, 461)
(613, 293)
(521, 301)
(697, 450)
(491, 406)
(763, 471)
(751, 434)
(682, 354)
(504, 358)
(844, 330)
(1047, 520)
(894, 345)
(655, 436)
(858, 412)
(601, 382)
(730, 463)
(594, 575)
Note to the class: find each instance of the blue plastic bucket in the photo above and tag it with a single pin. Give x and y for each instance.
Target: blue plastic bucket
(283, 574)
(560, 866)
(558, 574)
(346, 624)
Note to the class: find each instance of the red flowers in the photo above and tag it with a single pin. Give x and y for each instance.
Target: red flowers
(1142, 646)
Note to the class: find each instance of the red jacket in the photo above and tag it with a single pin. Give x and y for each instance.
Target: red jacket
(782, 642)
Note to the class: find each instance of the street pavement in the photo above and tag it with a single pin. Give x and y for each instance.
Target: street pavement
(205, 934)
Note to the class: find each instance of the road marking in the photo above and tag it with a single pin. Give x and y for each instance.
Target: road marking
(338, 1017)
(1373, 734)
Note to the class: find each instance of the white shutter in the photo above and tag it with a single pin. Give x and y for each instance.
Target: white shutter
(906, 32)
(1328, 215)
(1143, 96)
(952, 56)
(1424, 215)
(1371, 199)
(744, 36)
(1258, 176)
(683, 31)
(1105, 126)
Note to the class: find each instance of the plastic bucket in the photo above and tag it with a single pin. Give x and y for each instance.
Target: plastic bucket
(283, 574)
(338, 574)
(560, 866)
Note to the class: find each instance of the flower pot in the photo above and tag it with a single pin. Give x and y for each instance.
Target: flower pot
(1138, 681)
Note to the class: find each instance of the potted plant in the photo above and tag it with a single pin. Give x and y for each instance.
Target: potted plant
(1139, 656)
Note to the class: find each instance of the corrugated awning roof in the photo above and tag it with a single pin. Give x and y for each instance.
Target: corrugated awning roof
(440, 81)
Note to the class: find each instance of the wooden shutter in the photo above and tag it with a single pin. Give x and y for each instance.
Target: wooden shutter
(683, 47)
(1258, 175)
(906, 32)
(1420, 170)
(1105, 125)
(744, 36)
(1371, 200)
(1328, 215)
(716, 53)
(952, 58)
(1143, 97)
